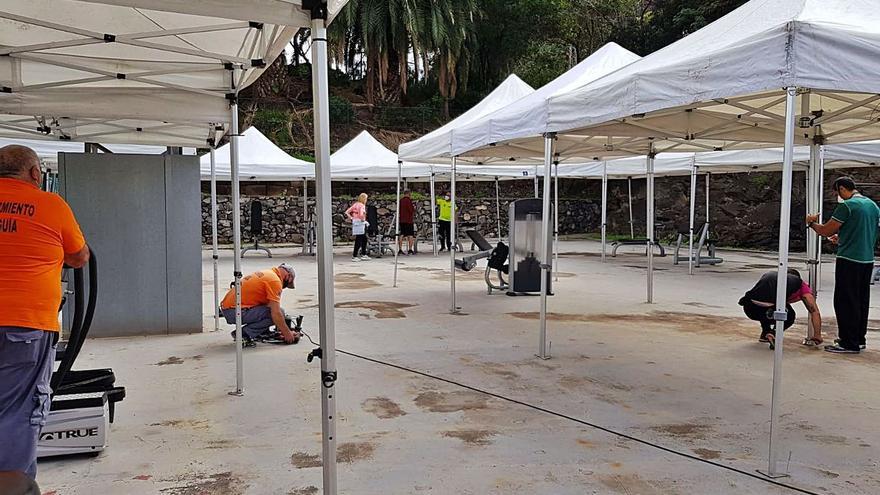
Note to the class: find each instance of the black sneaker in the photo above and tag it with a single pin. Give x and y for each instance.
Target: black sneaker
(837, 343)
(836, 349)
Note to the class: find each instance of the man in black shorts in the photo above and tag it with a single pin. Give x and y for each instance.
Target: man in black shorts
(407, 225)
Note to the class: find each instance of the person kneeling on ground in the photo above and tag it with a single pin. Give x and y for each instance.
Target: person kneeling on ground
(261, 303)
(759, 303)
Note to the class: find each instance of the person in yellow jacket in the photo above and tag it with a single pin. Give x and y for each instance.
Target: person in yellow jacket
(444, 221)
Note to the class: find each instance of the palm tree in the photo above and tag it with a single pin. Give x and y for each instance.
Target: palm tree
(377, 39)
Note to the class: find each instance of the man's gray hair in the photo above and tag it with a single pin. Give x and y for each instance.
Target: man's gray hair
(16, 160)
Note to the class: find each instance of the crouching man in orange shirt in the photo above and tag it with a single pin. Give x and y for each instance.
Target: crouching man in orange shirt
(261, 303)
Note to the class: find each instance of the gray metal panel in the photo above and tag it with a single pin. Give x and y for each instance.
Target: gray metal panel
(183, 216)
(119, 201)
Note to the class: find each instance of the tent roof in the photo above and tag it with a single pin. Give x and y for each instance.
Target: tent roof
(134, 71)
(366, 158)
(436, 146)
(259, 159)
(722, 87)
(528, 115)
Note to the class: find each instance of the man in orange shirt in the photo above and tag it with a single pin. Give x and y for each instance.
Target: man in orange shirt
(38, 234)
(261, 303)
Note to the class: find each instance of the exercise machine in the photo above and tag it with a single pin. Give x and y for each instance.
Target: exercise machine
(704, 242)
(377, 243)
(256, 228)
(310, 236)
(526, 238)
(83, 401)
(497, 259)
(273, 336)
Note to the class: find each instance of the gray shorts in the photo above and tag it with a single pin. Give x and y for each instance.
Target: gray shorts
(26, 360)
(255, 321)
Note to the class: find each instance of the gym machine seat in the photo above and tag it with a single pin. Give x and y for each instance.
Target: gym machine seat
(704, 241)
(635, 242)
(497, 257)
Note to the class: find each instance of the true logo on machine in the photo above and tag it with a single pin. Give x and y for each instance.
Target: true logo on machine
(68, 434)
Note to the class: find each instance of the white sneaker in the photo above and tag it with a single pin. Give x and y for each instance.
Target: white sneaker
(355, 259)
(365, 258)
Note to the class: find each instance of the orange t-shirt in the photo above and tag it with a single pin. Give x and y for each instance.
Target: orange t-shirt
(257, 289)
(37, 229)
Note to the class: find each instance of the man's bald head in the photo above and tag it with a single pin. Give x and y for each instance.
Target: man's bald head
(19, 162)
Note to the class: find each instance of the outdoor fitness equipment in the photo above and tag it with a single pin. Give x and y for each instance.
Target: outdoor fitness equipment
(310, 236)
(377, 242)
(83, 401)
(256, 228)
(497, 257)
(525, 229)
(709, 244)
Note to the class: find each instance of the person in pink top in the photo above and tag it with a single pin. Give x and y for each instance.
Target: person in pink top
(357, 215)
(759, 303)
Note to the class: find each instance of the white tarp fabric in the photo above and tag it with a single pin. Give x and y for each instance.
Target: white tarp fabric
(436, 146)
(259, 159)
(366, 158)
(48, 150)
(528, 116)
(134, 71)
(722, 85)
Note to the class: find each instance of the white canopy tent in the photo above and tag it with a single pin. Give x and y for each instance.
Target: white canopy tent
(259, 159)
(167, 72)
(48, 150)
(771, 72)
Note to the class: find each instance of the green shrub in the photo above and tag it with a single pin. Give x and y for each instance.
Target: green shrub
(341, 111)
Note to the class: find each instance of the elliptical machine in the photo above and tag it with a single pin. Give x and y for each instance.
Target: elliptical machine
(83, 401)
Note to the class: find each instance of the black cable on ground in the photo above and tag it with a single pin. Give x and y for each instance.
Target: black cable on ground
(577, 420)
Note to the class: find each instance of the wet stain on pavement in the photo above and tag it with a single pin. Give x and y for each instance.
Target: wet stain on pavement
(708, 454)
(309, 490)
(346, 453)
(170, 360)
(383, 408)
(448, 402)
(354, 281)
(689, 430)
(630, 484)
(204, 484)
(382, 309)
(471, 437)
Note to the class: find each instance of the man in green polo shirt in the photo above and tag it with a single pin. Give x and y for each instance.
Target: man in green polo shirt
(853, 227)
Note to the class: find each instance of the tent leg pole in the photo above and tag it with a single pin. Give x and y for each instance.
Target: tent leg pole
(536, 182)
(433, 214)
(632, 225)
(693, 203)
(305, 215)
(650, 221)
(236, 246)
(214, 243)
(324, 210)
(555, 221)
(397, 223)
(780, 315)
(453, 308)
(820, 203)
(604, 208)
(543, 344)
(498, 207)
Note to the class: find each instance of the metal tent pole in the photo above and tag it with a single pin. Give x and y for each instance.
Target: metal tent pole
(649, 169)
(543, 343)
(305, 217)
(215, 251)
(780, 315)
(820, 188)
(236, 244)
(498, 207)
(708, 227)
(604, 206)
(632, 228)
(324, 210)
(453, 308)
(397, 223)
(536, 182)
(555, 220)
(433, 212)
(692, 215)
